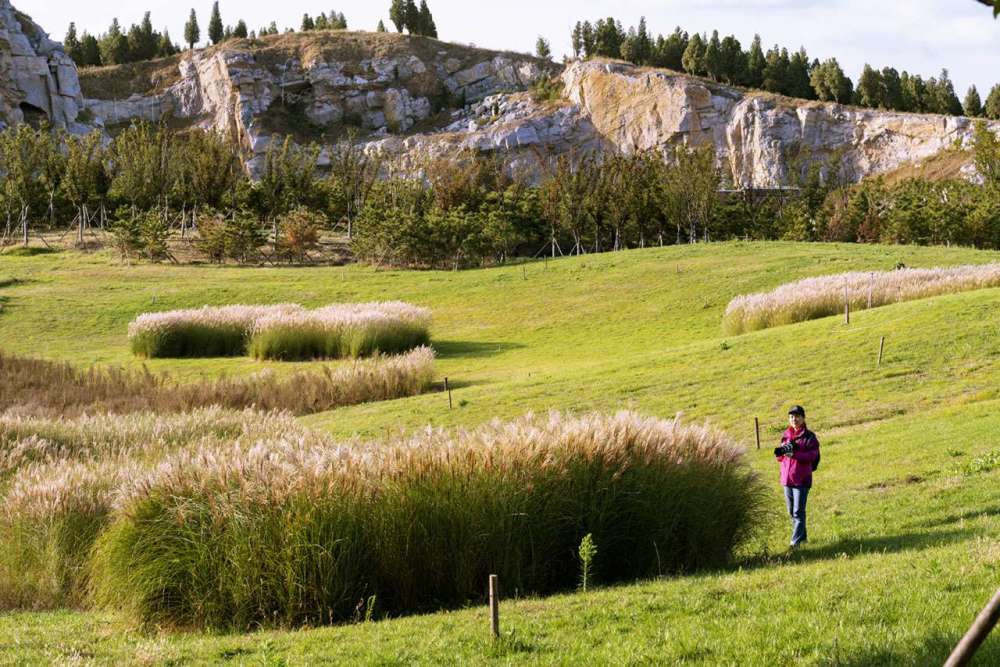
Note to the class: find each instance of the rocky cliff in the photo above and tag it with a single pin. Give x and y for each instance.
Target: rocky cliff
(754, 133)
(38, 81)
(411, 98)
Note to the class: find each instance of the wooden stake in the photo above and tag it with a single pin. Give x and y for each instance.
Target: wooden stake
(871, 279)
(448, 389)
(494, 607)
(756, 430)
(847, 307)
(881, 346)
(524, 272)
(970, 643)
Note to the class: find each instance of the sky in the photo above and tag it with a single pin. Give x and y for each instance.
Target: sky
(920, 36)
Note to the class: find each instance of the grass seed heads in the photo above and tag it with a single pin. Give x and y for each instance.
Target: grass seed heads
(283, 331)
(821, 296)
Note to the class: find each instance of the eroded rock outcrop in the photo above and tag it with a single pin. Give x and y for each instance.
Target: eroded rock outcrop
(754, 134)
(38, 81)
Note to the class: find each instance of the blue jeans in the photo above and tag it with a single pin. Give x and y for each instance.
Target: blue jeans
(795, 500)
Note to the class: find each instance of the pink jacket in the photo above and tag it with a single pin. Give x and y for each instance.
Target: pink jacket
(797, 468)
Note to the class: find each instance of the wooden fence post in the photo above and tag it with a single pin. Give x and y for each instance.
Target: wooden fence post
(847, 307)
(881, 347)
(494, 608)
(448, 389)
(981, 627)
(756, 430)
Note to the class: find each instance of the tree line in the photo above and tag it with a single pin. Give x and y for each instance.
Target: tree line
(466, 211)
(777, 70)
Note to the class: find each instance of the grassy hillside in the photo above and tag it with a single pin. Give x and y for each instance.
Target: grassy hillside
(903, 523)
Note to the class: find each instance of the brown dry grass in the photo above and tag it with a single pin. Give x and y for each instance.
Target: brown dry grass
(39, 387)
(118, 82)
(939, 167)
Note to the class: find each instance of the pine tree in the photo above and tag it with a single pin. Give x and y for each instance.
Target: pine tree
(192, 33)
(397, 14)
(713, 57)
(870, 88)
(672, 52)
(412, 15)
(587, 37)
(380, 27)
(973, 105)
(756, 62)
(892, 85)
(542, 49)
(694, 55)
(72, 45)
(307, 23)
(215, 31)
(114, 45)
(90, 50)
(797, 76)
(341, 21)
(576, 39)
(322, 24)
(643, 44)
(991, 109)
(165, 46)
(240, 31)
(427, 27)
(776, 70)
(734, 61)
(273, 28)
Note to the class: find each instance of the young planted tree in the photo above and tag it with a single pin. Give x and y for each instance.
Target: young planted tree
(425, 20)
(991, 109)
(542, 48)
(397, 14)
(84, 183)
(352, 175)
(380, 27)
(972, 105)
(240, 31)
(71, 44)
(142, 173)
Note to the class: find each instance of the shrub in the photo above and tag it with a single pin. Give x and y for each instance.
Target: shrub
(291, 532)
(237, 237)
(299, 233)
(345, 330)
(811, 298)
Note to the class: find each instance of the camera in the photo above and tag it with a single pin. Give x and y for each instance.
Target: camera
(785, 448)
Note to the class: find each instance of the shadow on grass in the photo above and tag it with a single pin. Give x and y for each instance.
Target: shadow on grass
(971, 515)
(931, 651)
(861, 546)
(447, 349)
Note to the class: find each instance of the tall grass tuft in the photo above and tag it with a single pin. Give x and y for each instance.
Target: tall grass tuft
(821, 296)
(283, 331)
(40, 387)
(345, 330)
(59, 478)
(294, 530)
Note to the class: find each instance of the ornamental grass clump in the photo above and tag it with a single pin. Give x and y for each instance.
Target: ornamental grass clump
(210, 331)
(297, 530)
(282, 332)
(341, 331)
(59, 478)
(821, 296)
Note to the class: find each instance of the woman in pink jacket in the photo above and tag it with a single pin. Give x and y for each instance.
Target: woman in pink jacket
(798, 455)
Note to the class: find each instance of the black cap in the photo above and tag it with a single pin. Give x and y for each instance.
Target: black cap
(797, 410)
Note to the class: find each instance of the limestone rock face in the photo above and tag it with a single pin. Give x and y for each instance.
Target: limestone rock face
(753, 133)
(38, 81)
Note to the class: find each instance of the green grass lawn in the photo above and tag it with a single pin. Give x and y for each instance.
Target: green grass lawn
(903, 544)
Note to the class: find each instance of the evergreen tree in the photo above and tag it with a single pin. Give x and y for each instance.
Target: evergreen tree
(542, 49)
(797, 76)
(870, 92)
(240, 31)
(943, 94)
(672, 51)
(694, 55)
(342, 23)
(165, 46)
(90, 50)
(587, 36)
(192, 33)
(412, 14)
(734, 61)
(321, 23)
(307, 23)
(114, 46)
(608, 38)
(914, 93)
(829, 82)
(892, 85)
(576, 39)
(380, 27)
(972, 105)
(426, 21)
(991, 109)
(72, 45)
(712, 62)
(273, 28)
(397, 14)
(227, 34)
(776, 70)
(756, 62)
(643, 44)
(215, 30)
